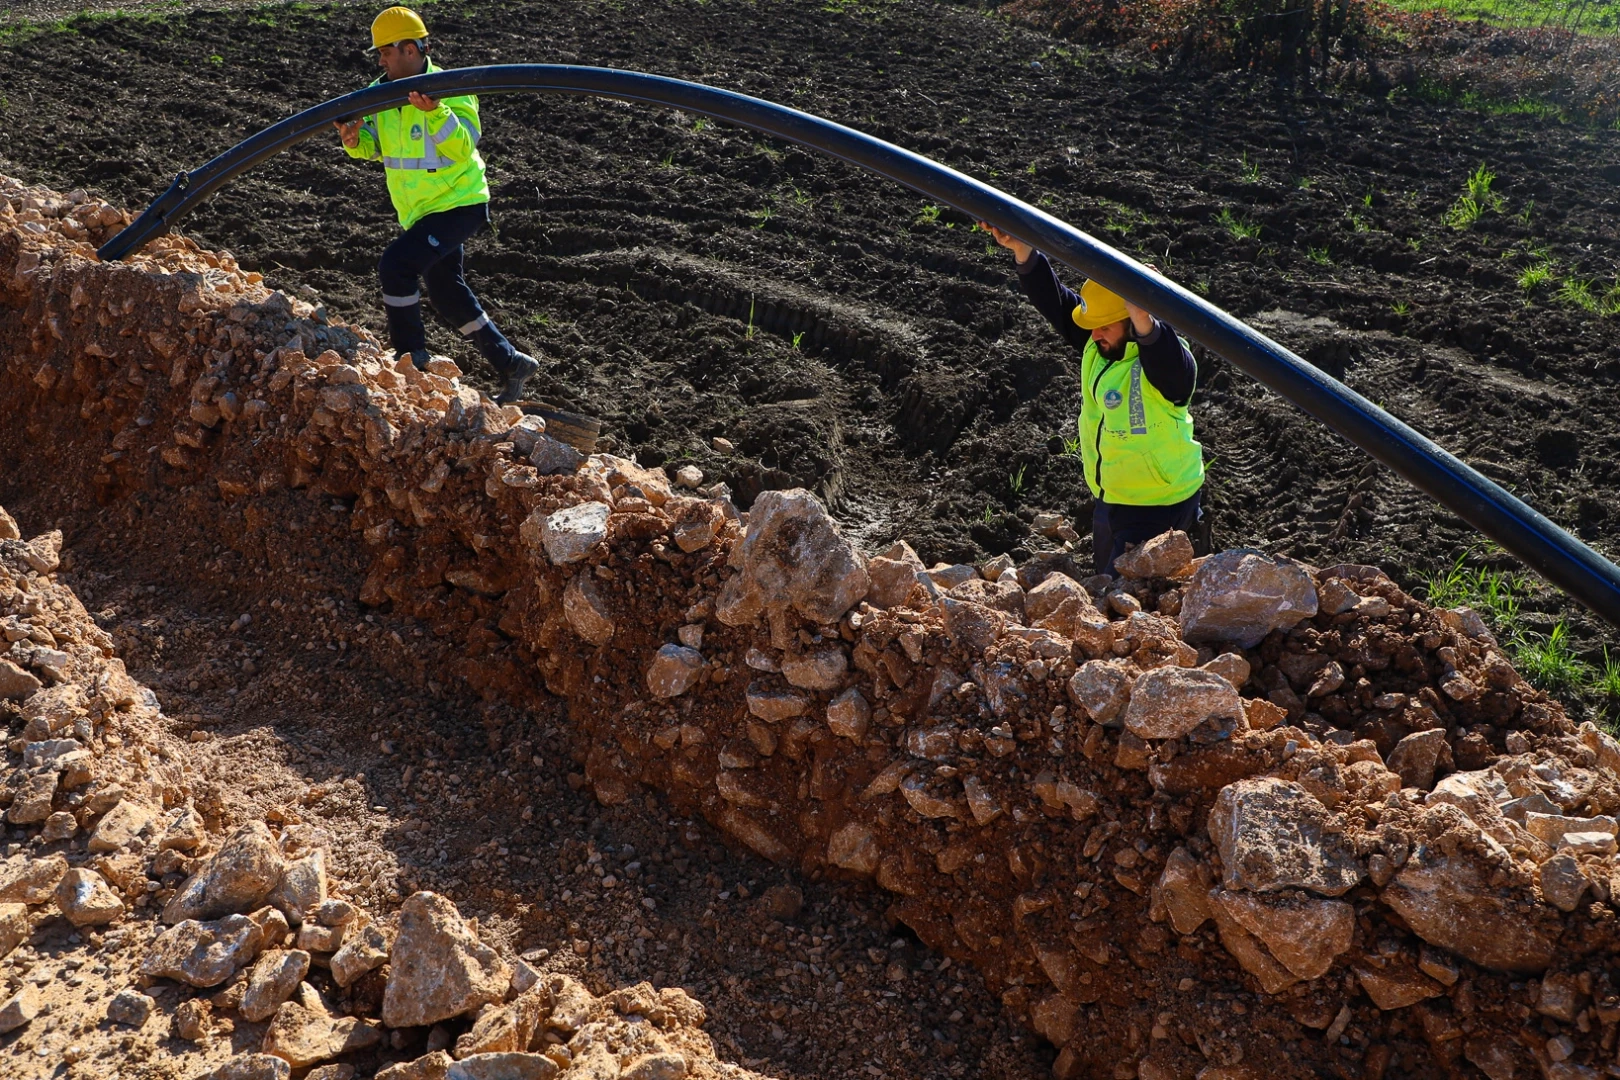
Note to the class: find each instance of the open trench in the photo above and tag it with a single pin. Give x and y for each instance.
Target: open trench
(879, 836)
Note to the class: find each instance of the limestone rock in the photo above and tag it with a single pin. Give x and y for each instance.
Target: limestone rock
(13, 927)
(1183, 892)
(120, 826)
(439, 968)
(1552, 828)
(793, 556)
(586, 610)
(508, 1066)
(508, 1028)
(818, 669)
(301, 1036)
(239, 877)
(431, 1066)
(674, 671)
(1273, 834)
(694, 522)
(276, 974)
(552, 457)
(203, 953)
(1101, 688)
(19, 1008)
(948, 576)
(1169, 702)
(848, 714)
(569, 534)
(183, 831)
(853, 847)
(31, 881)
(1238, 597)
(1230, 666)
(893, 575)
(775, 705)
(1304, 933)
(1163, 556)
(32, 802)
(302, 887)
(86, 900)
(1004, 595)
(362, 951)
(16, 684)
(1250, 954)
(1396, 985)
(1449, 902)
(1415, 757)
(251, 1067)
(8, 526)
(1047, 597)
(131, 1008)
(1562, 883)
(973, 627)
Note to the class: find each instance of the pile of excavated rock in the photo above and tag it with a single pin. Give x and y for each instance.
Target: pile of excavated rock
(1236, 782)
(124, 885)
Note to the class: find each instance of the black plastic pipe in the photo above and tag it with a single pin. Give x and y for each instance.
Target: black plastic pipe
(1543, 546)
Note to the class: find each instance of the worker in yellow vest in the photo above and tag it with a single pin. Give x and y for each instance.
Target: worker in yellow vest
(1142, 464)
(429, 150)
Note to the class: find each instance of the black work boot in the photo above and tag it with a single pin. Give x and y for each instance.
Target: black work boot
(517, 372)
(420, 358)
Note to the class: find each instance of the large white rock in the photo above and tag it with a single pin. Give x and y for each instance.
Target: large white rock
(85, 899)
(1169, 702)
(793, 556)
(203, 953)
(439, 968)
(1238, 597)
(1304, 933)
(239, 877)
(569, 534)
(1273, 835)
(1449, 901)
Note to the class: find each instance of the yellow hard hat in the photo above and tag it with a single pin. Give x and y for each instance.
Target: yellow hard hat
(397, 24)
(1098, 307)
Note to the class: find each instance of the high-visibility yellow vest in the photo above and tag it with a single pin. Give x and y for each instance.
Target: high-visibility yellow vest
(1138, 448)
(431, 159)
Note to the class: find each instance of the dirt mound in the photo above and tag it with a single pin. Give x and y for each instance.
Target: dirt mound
(1237, 787)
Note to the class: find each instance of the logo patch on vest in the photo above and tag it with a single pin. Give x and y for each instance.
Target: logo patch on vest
(416, 131)
(1113, 399)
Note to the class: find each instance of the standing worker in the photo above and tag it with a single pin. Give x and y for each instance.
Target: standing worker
(429, 149)
(1142, 464)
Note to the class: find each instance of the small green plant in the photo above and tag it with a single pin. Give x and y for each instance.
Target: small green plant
(761, 216)
(1525, 214)
(1472, 204)
(1251, 169)
(1608, 680)
(1030, 170)
(1492, 593)
(1609, 303)
(1016, 480)
(802, 198)
(929, 215)
(217, 60)
(1367, 199)
(1534, 277)
(1549, 662)
(1358, 222)
(1401, 308)
(1238, 227)
(667, 160)
(750, 335)
(1414, 243)
(1578, 294)
(798, 337)
(699, 124)
(1320, 256)
(989, 515)
(1072, 447)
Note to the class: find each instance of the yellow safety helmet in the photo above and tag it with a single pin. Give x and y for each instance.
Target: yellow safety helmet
(1098, 307)
(397, 24)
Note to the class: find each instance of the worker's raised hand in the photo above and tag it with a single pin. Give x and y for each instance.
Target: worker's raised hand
(423, 102)
(1021, 251)
(349, 133)
(1140, 318)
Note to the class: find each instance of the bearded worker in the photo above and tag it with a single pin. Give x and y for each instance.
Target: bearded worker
(436, 179)
(1142, 464)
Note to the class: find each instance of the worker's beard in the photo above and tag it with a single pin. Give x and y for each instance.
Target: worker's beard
(1113, 352)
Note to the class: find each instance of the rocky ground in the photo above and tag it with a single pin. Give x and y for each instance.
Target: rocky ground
(1224, 817)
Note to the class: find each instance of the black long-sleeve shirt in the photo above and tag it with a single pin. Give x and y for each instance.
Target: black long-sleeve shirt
(1165, 361)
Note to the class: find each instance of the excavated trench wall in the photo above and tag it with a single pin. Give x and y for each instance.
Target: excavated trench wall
(1340, 836)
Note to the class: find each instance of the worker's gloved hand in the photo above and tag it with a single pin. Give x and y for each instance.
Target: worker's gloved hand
(349, 133)
(1021, 251)
(423, 102)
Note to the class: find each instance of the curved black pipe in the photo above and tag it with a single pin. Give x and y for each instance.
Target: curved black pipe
(1547, 549)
